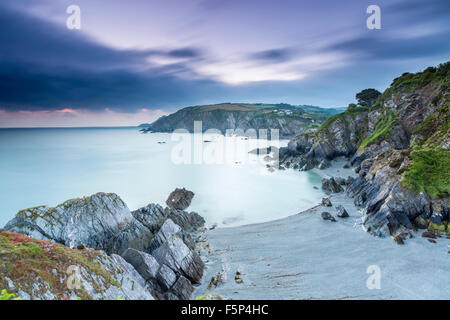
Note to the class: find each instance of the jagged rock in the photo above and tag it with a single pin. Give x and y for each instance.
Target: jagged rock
(398, 239)
(378, 141)
(180, 199)
(324, 164)
(182, 288)
(428, 234)
(167, 230)
(104, 222)
(328, 216)
(166, 278)
(349, 180)
(347, 165)
(341, 212)
(175, 254)
(144, 263)
(326, 202)
(100, 276)
(331, 185)
(101, 221)
(340, 181)
(151, 216)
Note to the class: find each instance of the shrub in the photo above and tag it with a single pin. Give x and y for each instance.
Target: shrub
(4, 295)
(429, 172)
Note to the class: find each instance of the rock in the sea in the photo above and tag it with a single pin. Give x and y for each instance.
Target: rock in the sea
(331, 185)
(326, 202)
(341, 212)
(180, 199)
(328, 216)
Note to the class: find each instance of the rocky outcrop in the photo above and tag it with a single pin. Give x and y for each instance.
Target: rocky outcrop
(101, 221)
(327, 216)
(341, 212)
(180, 199)
(331, 185)
(398, 147)
(44, 270)
(158, 242)
(289, 120)
(326, 202)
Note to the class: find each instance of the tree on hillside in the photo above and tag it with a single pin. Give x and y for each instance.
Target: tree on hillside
(367, 97)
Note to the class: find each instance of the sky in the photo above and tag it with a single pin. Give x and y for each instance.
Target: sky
(136, 60)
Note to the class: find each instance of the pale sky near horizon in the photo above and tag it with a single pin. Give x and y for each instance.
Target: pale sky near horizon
(133, 61)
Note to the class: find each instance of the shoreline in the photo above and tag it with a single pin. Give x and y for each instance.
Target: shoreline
(303, 256)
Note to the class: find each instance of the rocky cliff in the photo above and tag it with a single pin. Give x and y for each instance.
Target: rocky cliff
(399, 147)
(143, 254)
(288, 119)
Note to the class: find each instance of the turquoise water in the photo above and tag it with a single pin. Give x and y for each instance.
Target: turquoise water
(49, 166)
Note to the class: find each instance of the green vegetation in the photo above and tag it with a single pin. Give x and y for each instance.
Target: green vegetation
(435, 129)
(350, 112)
(420, 79)
(367, 97)
(33, 264)
(382, 129)
(429, 172)
(430, 167)
(412, 81)
(4, 295)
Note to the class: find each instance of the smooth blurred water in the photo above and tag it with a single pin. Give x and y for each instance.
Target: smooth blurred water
(49, 166)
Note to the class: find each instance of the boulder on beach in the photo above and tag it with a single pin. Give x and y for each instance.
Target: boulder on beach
(341, 212)
(326, 202)
(328, 216)
(331, 185)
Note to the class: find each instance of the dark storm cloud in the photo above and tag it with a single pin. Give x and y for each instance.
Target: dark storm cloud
(273, 55)
(384, 48)
(410, 29)
(44, 65)
(184, 53)
(430, 9)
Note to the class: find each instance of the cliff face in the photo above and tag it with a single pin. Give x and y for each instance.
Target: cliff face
(289, 120)
(399, 147)
(145, 254)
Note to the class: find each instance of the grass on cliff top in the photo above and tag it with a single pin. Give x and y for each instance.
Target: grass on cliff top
(382, 129)
(412, 81)
(30, 263)
(429, 172)
(349, 112)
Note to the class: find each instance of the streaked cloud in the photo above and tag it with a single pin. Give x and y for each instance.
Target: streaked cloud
(139, 56)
